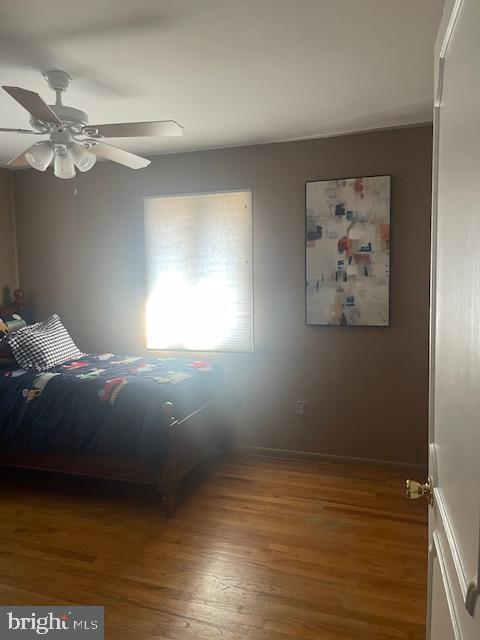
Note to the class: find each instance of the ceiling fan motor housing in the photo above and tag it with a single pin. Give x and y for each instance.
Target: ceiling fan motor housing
(71, 118)
(69, 115)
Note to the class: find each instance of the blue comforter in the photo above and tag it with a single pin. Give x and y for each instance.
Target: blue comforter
(102, 404)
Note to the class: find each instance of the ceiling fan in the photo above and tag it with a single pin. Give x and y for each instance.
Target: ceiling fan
(72, 141)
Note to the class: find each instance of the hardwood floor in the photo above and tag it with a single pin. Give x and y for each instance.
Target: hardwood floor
(261, 550)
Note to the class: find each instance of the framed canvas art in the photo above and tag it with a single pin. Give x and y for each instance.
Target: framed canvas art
(348, 251)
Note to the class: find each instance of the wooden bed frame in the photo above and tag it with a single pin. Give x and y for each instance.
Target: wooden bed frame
(192, 439)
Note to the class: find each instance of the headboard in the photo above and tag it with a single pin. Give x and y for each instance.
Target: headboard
(17, 306)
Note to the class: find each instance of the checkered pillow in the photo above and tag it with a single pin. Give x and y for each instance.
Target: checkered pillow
(43, 345)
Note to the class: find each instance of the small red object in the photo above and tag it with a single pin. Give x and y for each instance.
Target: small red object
(359, 186)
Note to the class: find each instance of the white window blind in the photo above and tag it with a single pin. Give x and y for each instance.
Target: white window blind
(199, 271)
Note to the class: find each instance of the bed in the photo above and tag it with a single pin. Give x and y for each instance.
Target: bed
(139, 419)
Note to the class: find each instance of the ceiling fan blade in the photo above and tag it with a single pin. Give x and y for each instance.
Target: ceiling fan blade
(119, 155)
(31, 132)
(33, 103)
(138, 129)
(20, 160)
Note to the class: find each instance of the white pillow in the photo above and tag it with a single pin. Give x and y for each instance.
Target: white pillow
(43, 345)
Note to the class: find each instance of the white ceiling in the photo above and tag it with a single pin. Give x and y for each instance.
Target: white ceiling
(232, 72)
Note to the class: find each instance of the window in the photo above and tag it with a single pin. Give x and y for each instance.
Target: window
(199, 271)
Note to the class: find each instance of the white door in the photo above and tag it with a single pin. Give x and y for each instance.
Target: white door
(454, 460)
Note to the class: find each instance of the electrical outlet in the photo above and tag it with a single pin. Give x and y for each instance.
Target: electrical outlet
(300, 408)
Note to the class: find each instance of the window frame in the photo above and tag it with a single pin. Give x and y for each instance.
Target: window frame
(187, 194)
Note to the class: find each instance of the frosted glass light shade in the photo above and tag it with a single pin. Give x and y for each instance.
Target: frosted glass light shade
(40, 155)
(63, 165)
(82, 158)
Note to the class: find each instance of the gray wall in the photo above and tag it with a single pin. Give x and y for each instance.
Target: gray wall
(8, 252)
(366, 388)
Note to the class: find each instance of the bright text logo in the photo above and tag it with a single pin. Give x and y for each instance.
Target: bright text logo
(22, 623)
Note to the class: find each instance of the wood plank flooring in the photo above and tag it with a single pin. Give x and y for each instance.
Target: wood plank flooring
(261, 550)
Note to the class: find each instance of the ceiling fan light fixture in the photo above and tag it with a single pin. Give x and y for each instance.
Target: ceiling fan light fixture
(40, 155)
(63, 166)
(82, 158)
(73, 142)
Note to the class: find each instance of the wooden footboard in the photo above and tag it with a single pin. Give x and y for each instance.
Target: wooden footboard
(167, 480)
(191, 440)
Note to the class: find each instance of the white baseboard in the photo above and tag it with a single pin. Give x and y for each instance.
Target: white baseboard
(267, 452)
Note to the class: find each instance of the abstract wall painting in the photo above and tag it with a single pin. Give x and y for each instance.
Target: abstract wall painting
(348, 251)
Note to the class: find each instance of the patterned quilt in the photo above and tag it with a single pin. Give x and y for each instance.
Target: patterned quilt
(102, 404)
